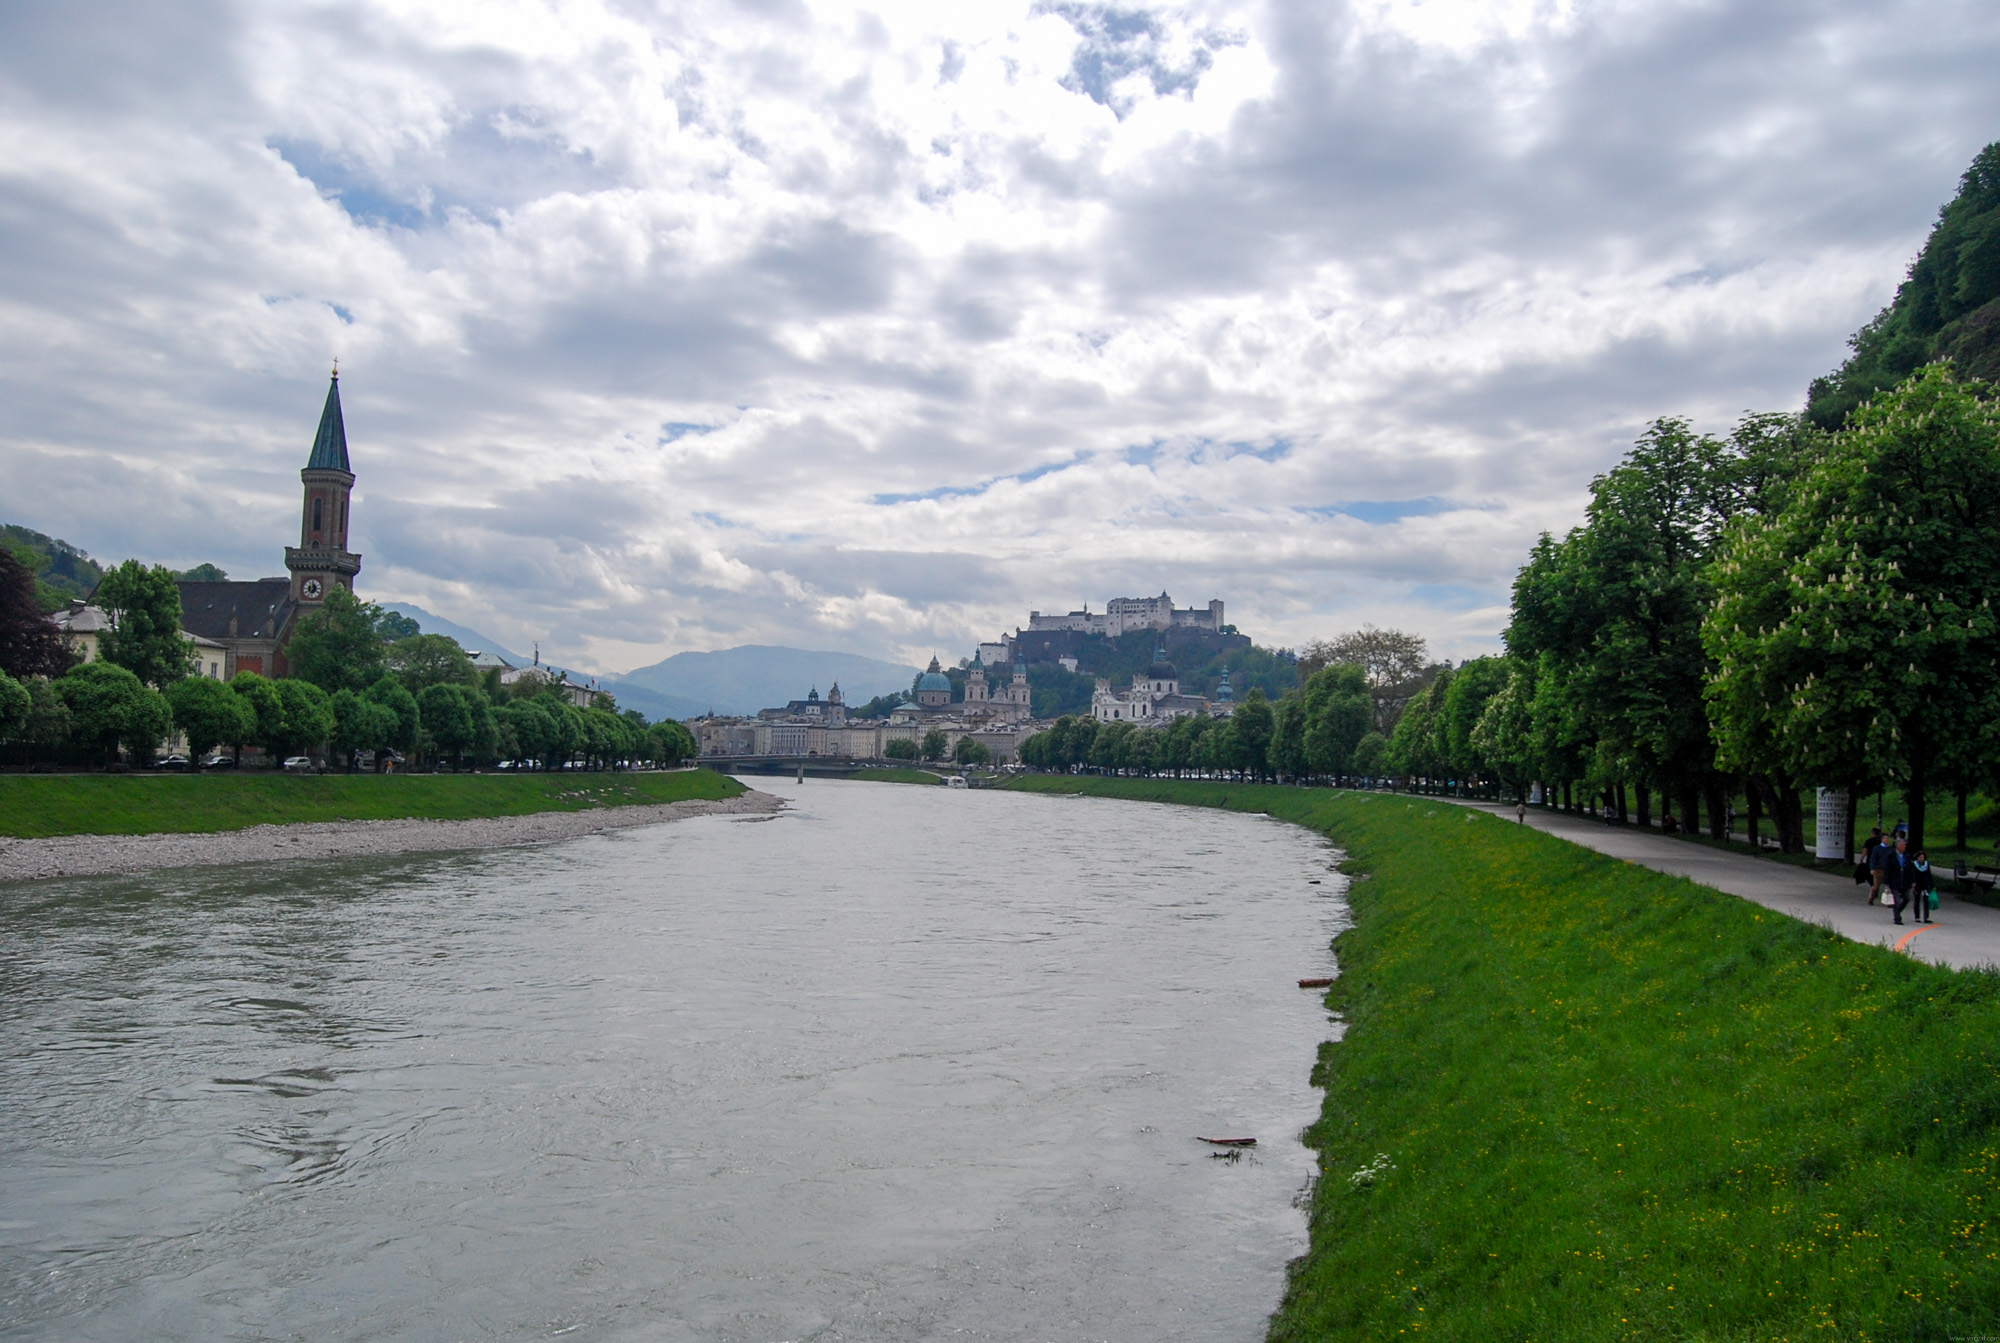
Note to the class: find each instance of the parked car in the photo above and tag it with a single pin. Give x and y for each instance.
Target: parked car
(219, 762)
(174, 761)
(298, 764)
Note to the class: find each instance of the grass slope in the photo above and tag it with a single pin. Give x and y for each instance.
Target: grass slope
(34, 806)
(897, 774)
(1618, 1105)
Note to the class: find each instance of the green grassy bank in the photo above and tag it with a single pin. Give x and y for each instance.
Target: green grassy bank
(1618, 1105)
(898, 774)
(34, 806)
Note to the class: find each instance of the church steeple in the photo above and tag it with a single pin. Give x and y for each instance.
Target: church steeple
(330, 443)
(321, 560)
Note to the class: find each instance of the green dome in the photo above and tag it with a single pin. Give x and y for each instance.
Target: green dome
(933, 681)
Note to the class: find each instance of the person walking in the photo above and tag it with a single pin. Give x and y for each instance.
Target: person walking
(1923, 882)
(1878, 856)
(1521, 811)
(1896, 874)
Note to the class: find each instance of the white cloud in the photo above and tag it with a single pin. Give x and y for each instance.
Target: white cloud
(877, 325)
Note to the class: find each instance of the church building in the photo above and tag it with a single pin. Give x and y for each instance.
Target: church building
(251, 622)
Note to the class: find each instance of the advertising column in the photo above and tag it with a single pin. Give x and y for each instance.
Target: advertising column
(1830, 841)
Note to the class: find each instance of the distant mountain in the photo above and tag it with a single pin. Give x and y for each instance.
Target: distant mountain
(759, 676)
(734, 680)
(469, 639)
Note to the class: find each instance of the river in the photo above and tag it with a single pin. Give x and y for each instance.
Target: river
(899, 1063)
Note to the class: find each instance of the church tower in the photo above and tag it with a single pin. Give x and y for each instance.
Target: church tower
(321, 559)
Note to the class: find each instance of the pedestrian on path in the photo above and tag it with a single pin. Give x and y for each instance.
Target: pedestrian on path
(1521, 811)
(1878, 858)
(1922, 883)
(1896, 874)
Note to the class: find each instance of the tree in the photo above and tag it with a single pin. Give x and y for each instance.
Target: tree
(535, 733)
(1415, 748)
(110, 707)
(50, 722)
(267, 710)
(1339, 712)
(902, 748)
(1942, 311)
(360, 724)
(1369, 754)
(31, 644)
(308, 716)
(447, 718)
(1393, 662)
(336, 647)
(671, 743)
(425, 660)
(392, 626)
(972, 752)
(1252, 724)
(1288, 737)
(1854, 633)
(15, 705)
(209, 714)
(934, 744)
(390, 694)
(1472, 689)
(202, 573)
(144, 607)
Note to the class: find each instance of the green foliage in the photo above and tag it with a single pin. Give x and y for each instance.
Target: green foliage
(1339, 711)
(336, 647)
(267, 710)
(361, 724)
(15, 705)
(30, 643)
(145, 610)
(41, 806)
(1854, 633)
(1619, 1105)
(1948, 308)
(446, 710)
(902, 748)
(425, 660)
(210, 714)
(881, 706)
(202, 573)
(670, 743)
(307, 716)
(972, 752)
(933, 747)
(394, 626)
(110, 707)
(58, 570)
(1371, 755)
(390, 694)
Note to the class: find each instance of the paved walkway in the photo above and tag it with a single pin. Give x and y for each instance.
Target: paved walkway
(1964, 934)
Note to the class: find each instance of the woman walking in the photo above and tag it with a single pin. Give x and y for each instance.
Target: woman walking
(1922, 883)
(1896, 873)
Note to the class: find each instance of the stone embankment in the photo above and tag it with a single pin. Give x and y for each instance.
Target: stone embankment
(109, 855)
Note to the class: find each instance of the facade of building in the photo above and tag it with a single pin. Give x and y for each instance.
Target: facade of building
(84, 626)
(996, 716)
(1122, 615)
(1154, 698)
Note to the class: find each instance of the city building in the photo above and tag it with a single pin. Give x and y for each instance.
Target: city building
(1154, 698)
(1122, 615)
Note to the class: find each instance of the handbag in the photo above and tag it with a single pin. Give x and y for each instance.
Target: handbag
(1932, 897)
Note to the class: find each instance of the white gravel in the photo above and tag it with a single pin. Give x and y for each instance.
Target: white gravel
(106, 855)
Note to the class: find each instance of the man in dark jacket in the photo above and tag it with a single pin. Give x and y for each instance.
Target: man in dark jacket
(1896, 875)
(1875, 855)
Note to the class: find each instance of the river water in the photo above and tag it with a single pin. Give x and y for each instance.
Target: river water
(900, 1063)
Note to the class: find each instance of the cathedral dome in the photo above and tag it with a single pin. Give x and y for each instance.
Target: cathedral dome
(934, 680)
(1161, 671)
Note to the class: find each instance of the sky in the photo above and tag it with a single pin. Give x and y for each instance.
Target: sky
(873, 327)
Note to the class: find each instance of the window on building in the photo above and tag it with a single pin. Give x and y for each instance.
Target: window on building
(318, 504)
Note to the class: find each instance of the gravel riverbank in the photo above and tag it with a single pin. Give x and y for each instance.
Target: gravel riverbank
(108, 855)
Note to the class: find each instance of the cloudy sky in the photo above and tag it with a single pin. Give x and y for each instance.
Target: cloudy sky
(671, 326)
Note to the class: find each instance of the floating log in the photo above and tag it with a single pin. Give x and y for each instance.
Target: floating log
(1229, 1142)
(1314, 983)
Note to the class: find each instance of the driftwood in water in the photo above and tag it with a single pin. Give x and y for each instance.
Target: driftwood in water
(1229, 1142)
(1314, 983)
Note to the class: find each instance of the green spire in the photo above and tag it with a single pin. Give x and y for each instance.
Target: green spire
(330, 443)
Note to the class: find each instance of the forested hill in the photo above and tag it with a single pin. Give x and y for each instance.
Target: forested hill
(1948, 308)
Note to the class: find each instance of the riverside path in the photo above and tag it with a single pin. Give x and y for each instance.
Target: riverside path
(1964, 935)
